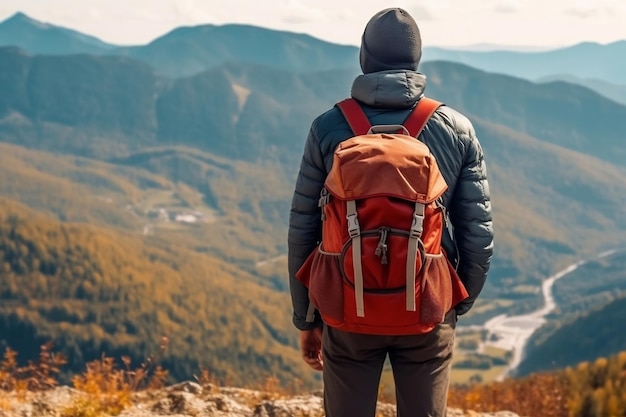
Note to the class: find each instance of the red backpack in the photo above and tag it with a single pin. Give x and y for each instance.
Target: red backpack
(380, 268)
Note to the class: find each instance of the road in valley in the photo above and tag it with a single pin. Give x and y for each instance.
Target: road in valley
(512, 333)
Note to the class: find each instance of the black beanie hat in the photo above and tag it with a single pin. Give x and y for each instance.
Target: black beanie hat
(391, 40)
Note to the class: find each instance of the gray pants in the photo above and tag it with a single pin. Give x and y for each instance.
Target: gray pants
(353, 365)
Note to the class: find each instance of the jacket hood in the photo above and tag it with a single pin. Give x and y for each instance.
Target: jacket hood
(391, 89)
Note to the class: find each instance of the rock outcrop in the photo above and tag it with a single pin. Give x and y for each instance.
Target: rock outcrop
(188, 399)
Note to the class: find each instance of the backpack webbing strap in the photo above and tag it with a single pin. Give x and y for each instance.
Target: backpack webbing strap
(355, 116)
(418, 118)
(355, 233)
(414, 240)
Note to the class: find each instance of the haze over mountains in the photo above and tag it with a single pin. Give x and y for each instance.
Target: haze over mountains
(584, 60)
(209, 122)
(196, 48)
(188, 50)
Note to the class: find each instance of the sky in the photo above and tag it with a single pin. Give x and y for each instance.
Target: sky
(448, 23)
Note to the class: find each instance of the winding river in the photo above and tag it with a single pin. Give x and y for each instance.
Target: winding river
(512, 333)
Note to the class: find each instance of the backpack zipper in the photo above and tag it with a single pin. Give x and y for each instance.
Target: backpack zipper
(381, 248)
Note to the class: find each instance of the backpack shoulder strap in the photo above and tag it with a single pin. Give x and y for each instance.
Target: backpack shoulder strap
(355, 116)
(415, 122)
(418, 118)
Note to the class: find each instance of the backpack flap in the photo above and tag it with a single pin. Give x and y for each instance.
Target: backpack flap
(385, 165)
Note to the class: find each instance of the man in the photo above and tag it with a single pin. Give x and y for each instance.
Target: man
(388, 90)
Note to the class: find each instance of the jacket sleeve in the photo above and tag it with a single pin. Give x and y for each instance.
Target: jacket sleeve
(470, 214)
(305, 225)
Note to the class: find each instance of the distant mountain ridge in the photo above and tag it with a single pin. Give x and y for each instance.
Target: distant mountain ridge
(191, 50)
(535, 109)
(43, 38)
(119, 94)
(186, 51)
(584, 60)
(616, 92)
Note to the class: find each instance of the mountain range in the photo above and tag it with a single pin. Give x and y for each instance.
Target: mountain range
(188, 50)
(584, 60)
(196, 150)
(44, 38)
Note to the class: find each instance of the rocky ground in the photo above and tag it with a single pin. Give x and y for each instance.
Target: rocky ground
(182, 400)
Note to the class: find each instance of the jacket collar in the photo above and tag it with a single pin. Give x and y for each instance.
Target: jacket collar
(392, 89)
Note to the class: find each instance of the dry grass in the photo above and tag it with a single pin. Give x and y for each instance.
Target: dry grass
(34, 376)
(106, 388)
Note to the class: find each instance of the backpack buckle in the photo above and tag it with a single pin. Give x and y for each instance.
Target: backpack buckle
(417, 226)
(324, 198)
(354, 229)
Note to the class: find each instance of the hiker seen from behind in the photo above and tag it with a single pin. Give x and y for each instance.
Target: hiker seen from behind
(390, 232)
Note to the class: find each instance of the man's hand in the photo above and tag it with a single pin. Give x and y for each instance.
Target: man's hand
(311, 348)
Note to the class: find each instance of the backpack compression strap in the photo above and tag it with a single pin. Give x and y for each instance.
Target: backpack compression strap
(414, 123)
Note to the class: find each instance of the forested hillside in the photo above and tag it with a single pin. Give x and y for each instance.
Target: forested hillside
(599, 332)
(93, 291)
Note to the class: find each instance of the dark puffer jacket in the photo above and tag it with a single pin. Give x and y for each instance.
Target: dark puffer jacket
(387, 98)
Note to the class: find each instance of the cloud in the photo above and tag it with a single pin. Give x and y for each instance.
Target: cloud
(300, 12)
(582, 11)
(422, 12)
(589, 8)
(508, 6)
(191, 10)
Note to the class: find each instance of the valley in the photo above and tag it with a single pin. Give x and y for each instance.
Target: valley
(512, 333)
(182, 170)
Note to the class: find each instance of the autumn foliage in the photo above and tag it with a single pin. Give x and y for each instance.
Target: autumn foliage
(107, 387)
(34, 376)
(595, 389)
